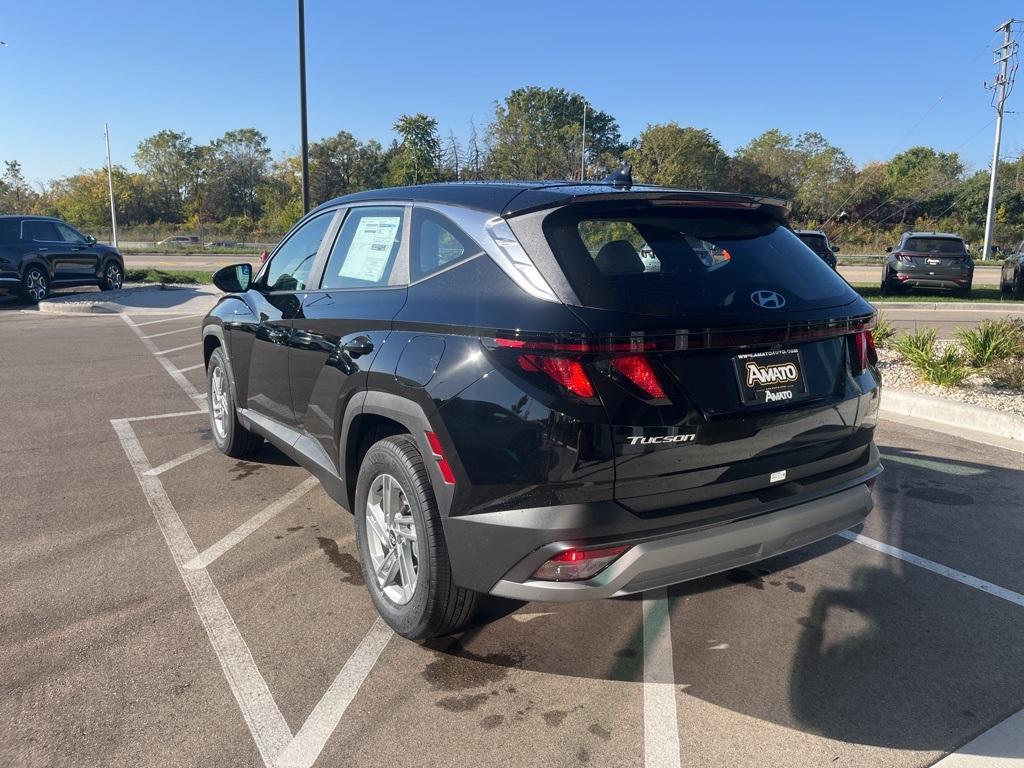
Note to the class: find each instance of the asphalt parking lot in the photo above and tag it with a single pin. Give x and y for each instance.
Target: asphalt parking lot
(165, 605)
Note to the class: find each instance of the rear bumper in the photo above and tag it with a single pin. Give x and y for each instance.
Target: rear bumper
(498, 552)
(957, 280)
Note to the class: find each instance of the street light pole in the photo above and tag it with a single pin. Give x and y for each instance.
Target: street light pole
(302, 106)
(110, 186)
(1004, 54)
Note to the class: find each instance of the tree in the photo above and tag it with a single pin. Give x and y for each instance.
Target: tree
(474, 156)
(417, 159)
(767, 165)
(233, 169)
(824, 177)
(169, 160)
(15, 193)
(673, 156)
(537, 134)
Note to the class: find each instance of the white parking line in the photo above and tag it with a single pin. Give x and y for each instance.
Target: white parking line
(252, 524)
(661, 723)
(176, 349)
(169, 319)
(178, 461)
(267, 725)
(174, 373)
(192, 367)
(314, 733)
(176, 414)
(950, 573)
(192, 328)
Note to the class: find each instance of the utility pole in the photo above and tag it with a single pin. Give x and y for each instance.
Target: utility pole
(110, 185)
(302, 106)
(583, 146)
(1005, 53)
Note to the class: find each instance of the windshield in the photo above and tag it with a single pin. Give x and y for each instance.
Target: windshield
(814, 242)
(944, 245)
(684, 261)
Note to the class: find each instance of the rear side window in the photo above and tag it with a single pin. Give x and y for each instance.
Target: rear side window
(41, 231)
(289, 268)
(366, 249)
(10, 231)
(659, 260)
(437, 243)
(945, 245)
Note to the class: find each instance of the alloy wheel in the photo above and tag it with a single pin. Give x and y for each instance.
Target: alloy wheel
(391, 539)
(219, 401)
(114, 276)
(35, 284)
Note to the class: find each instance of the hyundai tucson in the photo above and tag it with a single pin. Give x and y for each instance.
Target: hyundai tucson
(928, 260)
(552, 390)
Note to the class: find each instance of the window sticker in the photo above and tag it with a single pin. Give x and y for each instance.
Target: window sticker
(368, 255)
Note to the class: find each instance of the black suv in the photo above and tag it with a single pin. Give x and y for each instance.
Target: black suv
(512, 403)
(928, 260)
(38, 253)
(818, 242)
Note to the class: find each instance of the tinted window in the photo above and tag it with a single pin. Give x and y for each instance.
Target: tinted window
(10, 230)
(437, 243)
(44, 231)
(366, 248)
(70, 234)
(814, 242)
(289, 269)
(946, 245)
(686, 261)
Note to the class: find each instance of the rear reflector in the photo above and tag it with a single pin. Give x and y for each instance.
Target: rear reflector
(568, 373)
(637, 369)
(577, 564)
(442, 462)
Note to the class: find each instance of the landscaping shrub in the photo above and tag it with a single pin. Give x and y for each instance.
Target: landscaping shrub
(1008, 374)
(918, 347)
(991, 341)
(947, 370)
(884, 331)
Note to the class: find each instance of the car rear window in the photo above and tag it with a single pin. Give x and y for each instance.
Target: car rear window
(686, 261)
(814, 242)
(945, 245)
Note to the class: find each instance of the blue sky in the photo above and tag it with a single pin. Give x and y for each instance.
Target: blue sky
(873, 77)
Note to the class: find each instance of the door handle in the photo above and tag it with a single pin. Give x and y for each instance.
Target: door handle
(360, 345)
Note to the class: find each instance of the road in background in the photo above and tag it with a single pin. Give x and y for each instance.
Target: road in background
(208, 261)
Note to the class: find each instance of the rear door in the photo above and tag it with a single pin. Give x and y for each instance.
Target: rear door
(723, 365)
(344, 322)
(47, 244)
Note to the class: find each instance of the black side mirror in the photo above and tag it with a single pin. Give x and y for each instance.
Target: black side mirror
(233, 279)
(90, 240)
(835, 249)
(888, 249)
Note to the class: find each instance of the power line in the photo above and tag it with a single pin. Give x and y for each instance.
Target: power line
(1006, 60)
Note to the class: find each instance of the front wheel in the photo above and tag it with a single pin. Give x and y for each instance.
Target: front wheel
(113, 277)
(402, 549)
(35, 285)
(229, 435)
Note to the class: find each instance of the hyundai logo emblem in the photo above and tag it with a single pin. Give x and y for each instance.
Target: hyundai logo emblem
(767, 299)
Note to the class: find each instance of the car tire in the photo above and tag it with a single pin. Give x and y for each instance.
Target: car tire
(965, 293)
(230, 437)
(35, 284)
(113, 277)
(394, 501)
(887, 287)
(1017, 285)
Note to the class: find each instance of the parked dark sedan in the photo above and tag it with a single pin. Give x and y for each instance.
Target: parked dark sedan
(513, 401)
(928, 260)
(1011, 277)
(38, 253)
(818, 242)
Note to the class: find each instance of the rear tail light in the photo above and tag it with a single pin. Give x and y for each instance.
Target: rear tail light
(863, 351)
(905, 257)
(442, 462)
(638, 371)
(577, 564)
(567, 372)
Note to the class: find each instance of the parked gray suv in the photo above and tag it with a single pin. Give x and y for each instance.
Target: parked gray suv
(928, 260)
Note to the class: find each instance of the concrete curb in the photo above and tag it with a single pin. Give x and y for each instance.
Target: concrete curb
(142, 300)
(1010, 307)
(950, 413)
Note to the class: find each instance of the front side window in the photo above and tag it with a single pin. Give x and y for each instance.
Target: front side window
(70, 234)
(366, 248)
(289, 268)
(437, 243)
(39, 231)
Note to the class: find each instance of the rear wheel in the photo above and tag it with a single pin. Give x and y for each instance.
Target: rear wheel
(965, 292)
(1017, 284)
(229, 435)
(113, 277)
(402, 550)
(35, 285)
(888, 286)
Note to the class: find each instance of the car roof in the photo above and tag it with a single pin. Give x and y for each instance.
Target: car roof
(508, 198)
(809, 232)
(30, 216)
(947, 235)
